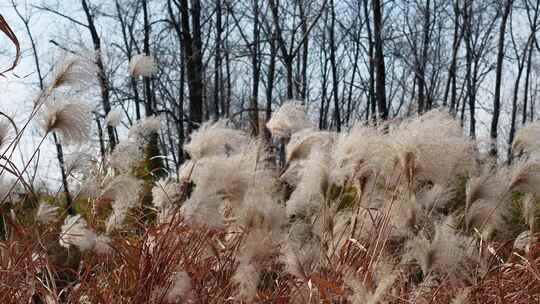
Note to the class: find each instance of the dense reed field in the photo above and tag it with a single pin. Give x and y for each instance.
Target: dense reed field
(409, 211)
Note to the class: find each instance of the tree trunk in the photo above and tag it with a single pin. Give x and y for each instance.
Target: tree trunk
(217, 61)
(471, 95)
(380, 79)
(351, 84)
(102, 76)
(498, 79)
(149, 103)
(371, 102)
(180, 105)
(270, 77)
(527, 81)
(333, 64)
(513, 119)
(421, 64)
(305, 51)
(155, 163)
(256, 71)
(192, 44)
(451, 83)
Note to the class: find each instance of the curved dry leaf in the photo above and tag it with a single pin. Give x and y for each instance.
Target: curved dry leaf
(4, 27)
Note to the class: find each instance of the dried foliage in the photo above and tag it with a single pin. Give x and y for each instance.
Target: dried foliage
(6, 29)
(394, 214)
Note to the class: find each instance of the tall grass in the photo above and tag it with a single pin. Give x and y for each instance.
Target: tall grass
(406, 212)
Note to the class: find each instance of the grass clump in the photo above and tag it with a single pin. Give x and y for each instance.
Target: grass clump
(389, 214)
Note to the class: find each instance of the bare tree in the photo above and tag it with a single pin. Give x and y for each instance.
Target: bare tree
(505, 7)
(380, 79)
(103, 82)
(192, 44)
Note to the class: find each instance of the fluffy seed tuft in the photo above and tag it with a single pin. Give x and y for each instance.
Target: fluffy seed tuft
(142, 65)
(71, 120)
